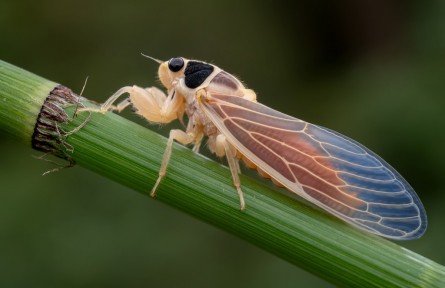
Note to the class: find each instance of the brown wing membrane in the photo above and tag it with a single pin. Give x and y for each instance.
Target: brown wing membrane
(322, 166)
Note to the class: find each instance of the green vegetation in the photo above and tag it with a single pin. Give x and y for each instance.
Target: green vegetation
(130, 154)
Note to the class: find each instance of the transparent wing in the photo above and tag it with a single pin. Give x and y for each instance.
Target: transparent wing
(322, 166)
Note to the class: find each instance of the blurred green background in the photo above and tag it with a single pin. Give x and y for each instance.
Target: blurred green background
(372, 70)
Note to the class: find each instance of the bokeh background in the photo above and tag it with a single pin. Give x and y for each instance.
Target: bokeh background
(372, 70)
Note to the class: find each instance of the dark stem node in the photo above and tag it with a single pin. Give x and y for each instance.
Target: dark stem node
(48, 137)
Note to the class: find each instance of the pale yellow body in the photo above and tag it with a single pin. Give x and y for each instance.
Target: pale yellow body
(318, 164)
(157, 107)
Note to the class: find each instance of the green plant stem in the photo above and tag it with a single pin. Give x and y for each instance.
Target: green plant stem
(21, 96)
(290, 228)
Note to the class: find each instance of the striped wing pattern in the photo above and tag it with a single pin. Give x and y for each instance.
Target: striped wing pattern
(322, 166)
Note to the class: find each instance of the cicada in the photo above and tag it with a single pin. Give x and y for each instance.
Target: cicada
(322, 166)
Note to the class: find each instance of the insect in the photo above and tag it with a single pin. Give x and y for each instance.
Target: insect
(322, 166)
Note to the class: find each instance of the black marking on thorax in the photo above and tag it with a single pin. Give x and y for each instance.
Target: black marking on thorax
(196, 73)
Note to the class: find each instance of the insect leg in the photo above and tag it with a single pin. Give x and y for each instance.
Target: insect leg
(233, 165)
(122, 105)
(183, 138)
(150, 103)
(155, 106)
(198, 141)
(108, 105)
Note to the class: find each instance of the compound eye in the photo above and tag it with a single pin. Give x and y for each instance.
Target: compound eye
(175, 64)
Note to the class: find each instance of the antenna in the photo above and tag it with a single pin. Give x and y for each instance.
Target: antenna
(152, 58)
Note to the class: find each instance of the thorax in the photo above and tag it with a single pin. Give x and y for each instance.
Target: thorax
(219, 81)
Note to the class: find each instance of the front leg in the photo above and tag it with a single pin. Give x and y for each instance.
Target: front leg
(108, 105)
(151, 103)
